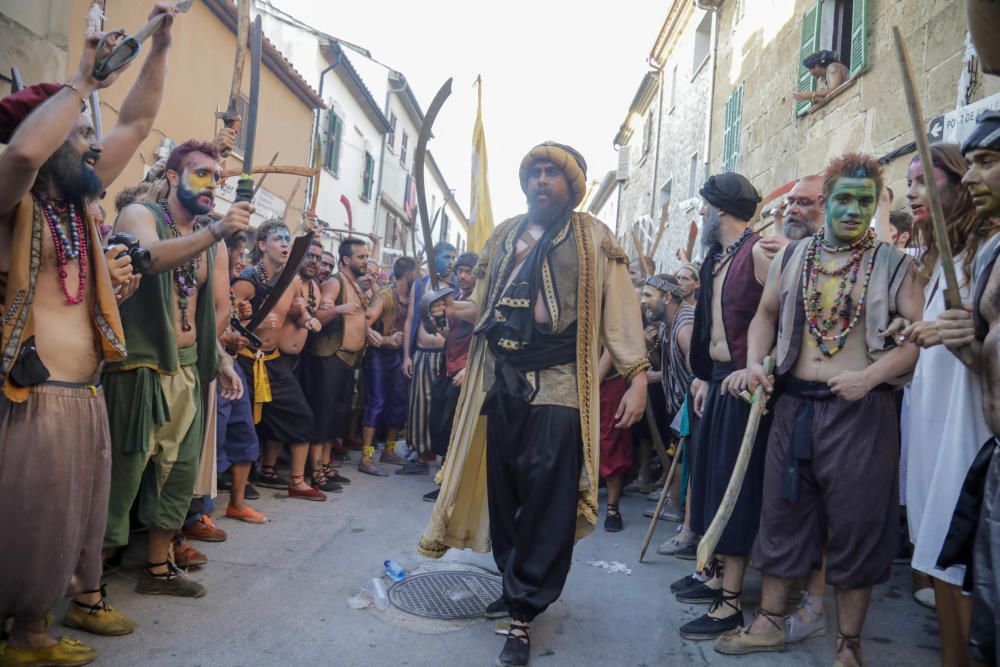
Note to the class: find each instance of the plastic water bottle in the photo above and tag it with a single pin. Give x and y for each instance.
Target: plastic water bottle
(394, 570)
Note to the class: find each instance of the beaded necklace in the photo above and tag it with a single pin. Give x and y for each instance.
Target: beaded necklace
(843, 311)
(311, 302)
(722, 258)
(362, 296)
(73, 246)
(186, 275)
(262, 273)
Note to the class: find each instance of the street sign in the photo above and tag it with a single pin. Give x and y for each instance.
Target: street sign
(935, 129)
(958, 124)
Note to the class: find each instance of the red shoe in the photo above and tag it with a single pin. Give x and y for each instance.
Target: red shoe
(186, 556)
(203, 529)
(308, 493)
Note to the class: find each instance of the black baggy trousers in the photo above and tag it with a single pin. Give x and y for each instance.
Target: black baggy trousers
(533, 459)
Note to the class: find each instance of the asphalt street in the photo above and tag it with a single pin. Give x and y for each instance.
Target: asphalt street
(278, 594)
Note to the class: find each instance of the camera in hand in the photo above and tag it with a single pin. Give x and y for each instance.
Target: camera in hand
(142, 261)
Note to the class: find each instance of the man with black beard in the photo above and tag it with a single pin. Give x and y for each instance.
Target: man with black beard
(553, 288)
(155, 401)
(61, 322)
(732, 281)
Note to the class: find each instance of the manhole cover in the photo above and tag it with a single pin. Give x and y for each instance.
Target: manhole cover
(446, 594)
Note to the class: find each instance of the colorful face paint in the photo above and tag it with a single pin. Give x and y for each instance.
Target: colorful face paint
(849, 209)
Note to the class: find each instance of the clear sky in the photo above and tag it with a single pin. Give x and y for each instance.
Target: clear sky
(558, 70)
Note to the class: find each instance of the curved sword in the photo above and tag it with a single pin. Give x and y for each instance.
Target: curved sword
(436, 292)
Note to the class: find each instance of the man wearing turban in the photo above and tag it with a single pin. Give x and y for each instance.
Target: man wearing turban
(732, 281)
(60, 324)
(553, 288)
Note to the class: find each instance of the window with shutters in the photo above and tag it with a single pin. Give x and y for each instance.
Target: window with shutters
(391, 142)
(731, 131)
(368, 177)
(395, 232)
(839, 26)
(334, 137)
(693, 177)
(445, 226)
(647, 134)
(402, 148)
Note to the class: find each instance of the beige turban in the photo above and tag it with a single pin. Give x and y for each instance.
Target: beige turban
(564, 157)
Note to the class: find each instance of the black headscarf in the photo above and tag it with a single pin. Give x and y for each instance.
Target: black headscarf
(732, 193)
(986, 134)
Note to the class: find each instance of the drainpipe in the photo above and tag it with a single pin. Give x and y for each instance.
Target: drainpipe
(381, 158)
(658, 68)
(313, 147)
(711, 90)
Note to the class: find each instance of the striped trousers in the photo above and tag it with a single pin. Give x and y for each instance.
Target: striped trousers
(427, 366)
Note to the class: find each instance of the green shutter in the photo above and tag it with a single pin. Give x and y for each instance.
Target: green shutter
(731, 133)
(368, 177)
(809, 45)
(859, 37)
(331, 160)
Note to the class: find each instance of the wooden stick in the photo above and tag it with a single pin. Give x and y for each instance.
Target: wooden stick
(654, 431)
(952, 297)
(659, 234)
(706, 547)
(646, 269)
(663, 498)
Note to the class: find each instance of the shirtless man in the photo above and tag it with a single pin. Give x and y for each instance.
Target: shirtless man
(978, 327)
(423, 361)
(385, 384)
(324, 476)
(336, 351)
(732, 280)
(285, 419)
(832, 458)
(172, 359)
(61, 324)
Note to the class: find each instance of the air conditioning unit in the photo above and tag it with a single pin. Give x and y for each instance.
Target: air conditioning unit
(624, 163)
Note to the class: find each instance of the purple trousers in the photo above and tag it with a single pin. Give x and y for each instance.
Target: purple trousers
(385, 389)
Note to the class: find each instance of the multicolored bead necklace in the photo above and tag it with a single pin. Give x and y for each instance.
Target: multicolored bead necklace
(843, 311)
(73, 246)
(186, 275)
(262, 274)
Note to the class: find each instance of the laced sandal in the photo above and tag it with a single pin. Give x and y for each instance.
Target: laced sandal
(613, 519)
(170, 582)
(853, 644)
(739, 641)
(308, 493)
(322, 481)
(517, 648)
(709, 627)
(98, 619)
(270, 479)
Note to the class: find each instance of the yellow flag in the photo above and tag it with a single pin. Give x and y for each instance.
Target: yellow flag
(481, 209)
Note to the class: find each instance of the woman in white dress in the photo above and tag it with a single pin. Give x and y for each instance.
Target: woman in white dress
(945, 421)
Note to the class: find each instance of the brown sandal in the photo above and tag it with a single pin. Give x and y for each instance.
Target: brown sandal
(853, 644)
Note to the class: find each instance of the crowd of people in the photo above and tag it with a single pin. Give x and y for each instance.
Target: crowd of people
(137, 385)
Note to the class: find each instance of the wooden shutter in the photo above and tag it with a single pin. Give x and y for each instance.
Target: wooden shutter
(731, 133)
(809, 46)
(333, 137)
(859, 37)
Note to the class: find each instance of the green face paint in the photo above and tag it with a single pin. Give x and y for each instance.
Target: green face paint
(849, 209)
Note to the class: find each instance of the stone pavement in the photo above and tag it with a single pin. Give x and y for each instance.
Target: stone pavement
(277, 594)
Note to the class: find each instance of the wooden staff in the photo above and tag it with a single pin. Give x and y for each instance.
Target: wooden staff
(952, 297)
(706, 547)
(662, 500)
(645, 268)
(659, 234)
